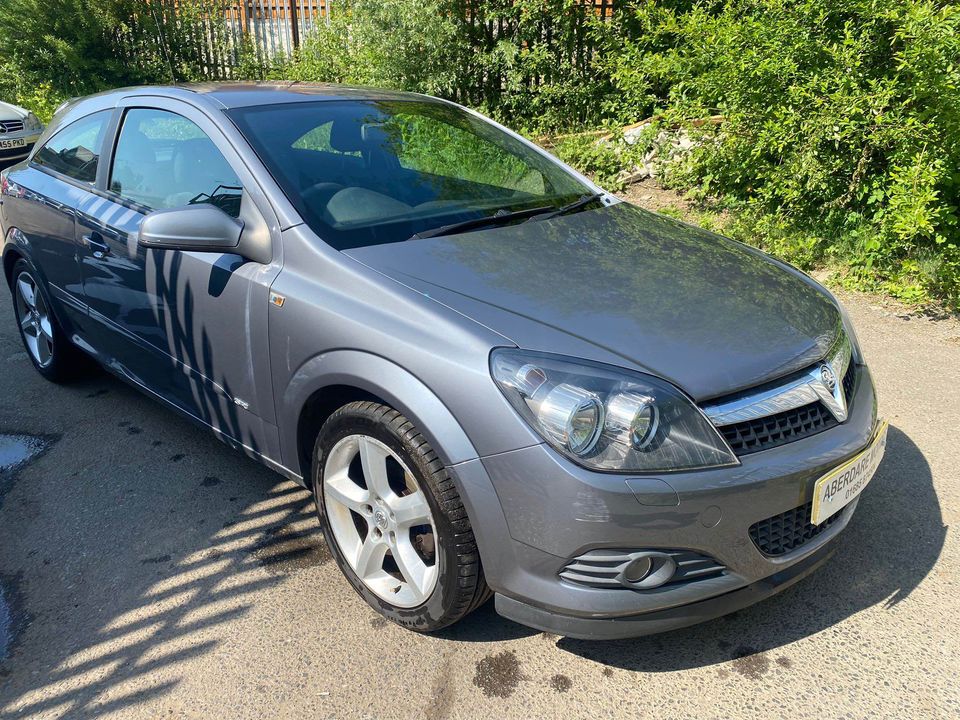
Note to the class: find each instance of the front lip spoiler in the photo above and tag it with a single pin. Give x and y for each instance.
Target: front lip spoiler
(661, 620)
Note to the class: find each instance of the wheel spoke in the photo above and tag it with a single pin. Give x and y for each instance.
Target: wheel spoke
(341, 489)
(373, 458)
(26, 324)
(46, 328)
(410, 509)
(369, 557)
(44, 350)
(404, 580)
(411, 566)
(26, 292)
(33, 344)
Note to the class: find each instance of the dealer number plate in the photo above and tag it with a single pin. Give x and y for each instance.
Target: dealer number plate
(838, 488)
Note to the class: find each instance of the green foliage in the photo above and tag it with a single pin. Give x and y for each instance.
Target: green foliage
(56, 50)
(388, 43)
(528, 72)
(841, 123)
(604, 160)
(840, 139)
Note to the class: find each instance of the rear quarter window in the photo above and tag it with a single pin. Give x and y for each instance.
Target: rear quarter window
(75, 150)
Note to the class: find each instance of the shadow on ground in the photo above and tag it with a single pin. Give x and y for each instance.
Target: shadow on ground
(127, 561)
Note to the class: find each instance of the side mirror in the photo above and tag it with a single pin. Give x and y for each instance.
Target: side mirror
(200, 228)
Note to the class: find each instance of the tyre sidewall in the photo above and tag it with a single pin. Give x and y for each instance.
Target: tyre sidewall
(55, 370)
(433, 613)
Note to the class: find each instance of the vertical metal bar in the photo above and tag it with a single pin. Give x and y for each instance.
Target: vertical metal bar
(294, 25)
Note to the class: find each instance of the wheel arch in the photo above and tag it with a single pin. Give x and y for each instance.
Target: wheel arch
(10, 256)
(331, 380)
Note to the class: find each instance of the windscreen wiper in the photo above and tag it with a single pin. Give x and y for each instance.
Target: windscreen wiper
(500, 217)
(570, 207)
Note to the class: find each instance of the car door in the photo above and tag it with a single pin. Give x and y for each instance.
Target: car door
(61, 176)
(181, 324)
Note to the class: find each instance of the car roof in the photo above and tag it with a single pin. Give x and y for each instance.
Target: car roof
(271, 93)
(241, 94)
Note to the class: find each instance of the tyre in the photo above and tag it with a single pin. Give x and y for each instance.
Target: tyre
(49, 348)
(394, 520)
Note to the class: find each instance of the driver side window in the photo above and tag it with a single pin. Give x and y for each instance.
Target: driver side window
(163, 160)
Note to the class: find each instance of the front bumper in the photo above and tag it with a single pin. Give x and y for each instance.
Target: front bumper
(9, 156)
(659, 621)
(533, 512)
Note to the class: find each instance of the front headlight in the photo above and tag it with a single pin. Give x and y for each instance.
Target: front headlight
(607, 418)
(32, 124)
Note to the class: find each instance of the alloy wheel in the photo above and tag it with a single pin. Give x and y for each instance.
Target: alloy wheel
(381, 520)
(34, 318)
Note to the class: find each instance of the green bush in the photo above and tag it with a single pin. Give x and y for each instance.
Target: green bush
(389, 43)
(840, 139)
(524, 73)
(57, 50)
(841, 123)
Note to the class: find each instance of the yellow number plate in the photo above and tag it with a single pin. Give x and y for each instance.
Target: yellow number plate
(835, 490)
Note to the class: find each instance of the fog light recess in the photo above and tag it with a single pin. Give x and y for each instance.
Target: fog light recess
(639, 569)
(648, 571)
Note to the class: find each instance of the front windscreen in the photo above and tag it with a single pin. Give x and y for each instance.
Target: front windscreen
(371, 172)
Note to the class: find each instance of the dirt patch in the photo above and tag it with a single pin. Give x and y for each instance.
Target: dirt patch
(650, 196)
(442, 693)
(561, 683)
(498, 675)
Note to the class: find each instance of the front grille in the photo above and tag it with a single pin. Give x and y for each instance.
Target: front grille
(759, 434)
(763, 433)
(787, 531)
(604, 568)
(12, 126)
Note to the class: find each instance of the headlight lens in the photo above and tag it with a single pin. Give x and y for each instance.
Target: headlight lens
(607, 418)
(32, 123)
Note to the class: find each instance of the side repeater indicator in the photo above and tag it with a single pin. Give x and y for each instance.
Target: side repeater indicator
(277, 300)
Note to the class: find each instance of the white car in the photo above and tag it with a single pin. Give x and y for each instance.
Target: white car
(19, 131)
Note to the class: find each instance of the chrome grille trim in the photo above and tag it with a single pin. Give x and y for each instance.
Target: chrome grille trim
(803, 389)
(12, 126)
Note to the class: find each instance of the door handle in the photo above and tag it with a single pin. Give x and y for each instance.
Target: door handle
(95, 242)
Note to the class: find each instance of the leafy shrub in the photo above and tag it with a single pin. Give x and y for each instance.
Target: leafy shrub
(842, 121)
(389, 43)
(57, 50)
(511, 58)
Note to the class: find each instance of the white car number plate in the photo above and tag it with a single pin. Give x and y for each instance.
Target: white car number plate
(12, 143)
(837, 489)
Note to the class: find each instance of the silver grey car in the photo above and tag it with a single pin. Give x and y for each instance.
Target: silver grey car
(496, 378)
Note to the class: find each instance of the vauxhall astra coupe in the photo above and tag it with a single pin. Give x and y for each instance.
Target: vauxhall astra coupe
(496, 378)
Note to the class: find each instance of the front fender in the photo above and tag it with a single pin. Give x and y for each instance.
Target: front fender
(376, 375)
